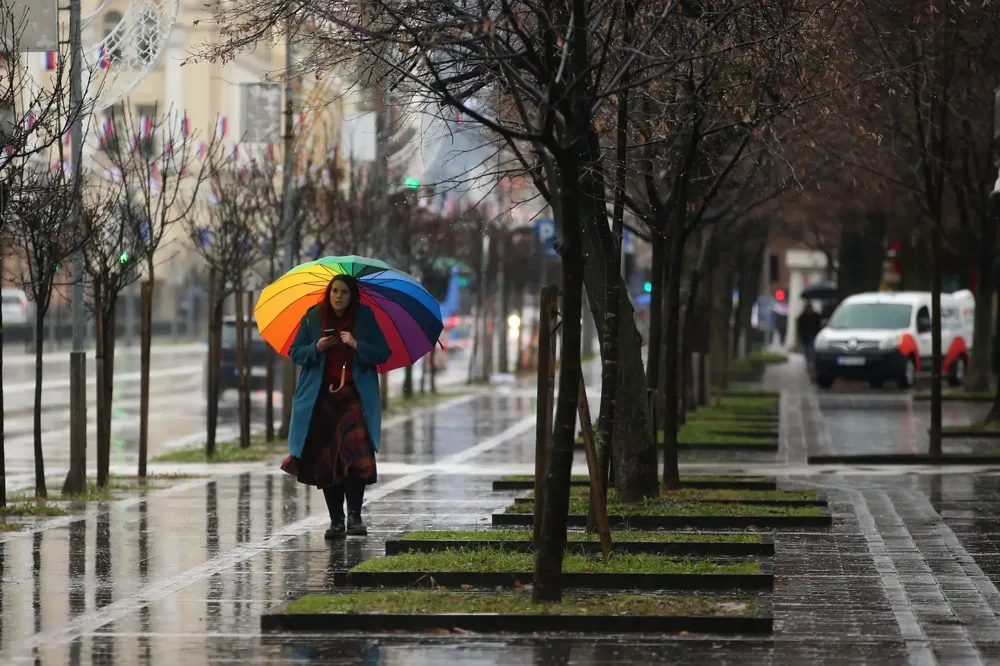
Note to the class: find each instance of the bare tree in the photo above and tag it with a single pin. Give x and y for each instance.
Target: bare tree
(33, 120)
(43, 230)
(226, 233)
(114, 249)
(154, 160)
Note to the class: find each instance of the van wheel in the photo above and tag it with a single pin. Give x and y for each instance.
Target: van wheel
(909, 376)
(824, 382)
(956, 376)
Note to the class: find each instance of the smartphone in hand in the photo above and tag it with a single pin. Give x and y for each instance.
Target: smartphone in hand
(329, 331)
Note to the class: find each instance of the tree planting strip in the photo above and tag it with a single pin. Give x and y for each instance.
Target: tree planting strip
(676, 522)
(700, 548)
(505, 485)
(761, 623)
(583, 581)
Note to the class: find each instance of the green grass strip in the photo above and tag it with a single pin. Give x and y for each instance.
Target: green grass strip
(420, 602)
(664, 507)
(226, 452)
(502, 561)
(709, 494)
(625, 536)
(684, 479)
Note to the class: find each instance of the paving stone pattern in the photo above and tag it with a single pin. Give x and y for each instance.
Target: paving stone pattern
(906, 575)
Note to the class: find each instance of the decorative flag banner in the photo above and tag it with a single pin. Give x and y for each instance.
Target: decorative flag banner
(200, 152)
(222, 126)
(107, 130)
(242, 172)
(146, 126)
(51, 61)
(213, 195)
(144, 230)
(29, 122)
(68, 136)
(168, 147)
(154, 180)
(133, 144)
(300, 124)
(235, 154)
(103, 57)
(458, 116)
(185, 126)
(270, 152)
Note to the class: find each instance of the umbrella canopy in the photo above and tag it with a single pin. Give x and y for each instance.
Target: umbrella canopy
(408, 315)
(820, 291)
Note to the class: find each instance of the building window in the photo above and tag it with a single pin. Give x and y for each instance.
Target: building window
(260, 112)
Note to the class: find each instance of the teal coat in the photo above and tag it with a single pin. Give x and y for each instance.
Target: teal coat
(372, 350)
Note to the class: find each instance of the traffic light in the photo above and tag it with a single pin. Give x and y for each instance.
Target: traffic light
(647, 287)
(411, 182)
(123, 258)
(779, 295)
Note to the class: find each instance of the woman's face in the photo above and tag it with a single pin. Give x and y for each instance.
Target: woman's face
(340, 296)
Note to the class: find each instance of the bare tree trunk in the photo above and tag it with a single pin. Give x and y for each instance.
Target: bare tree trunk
(935, 433)
(269, 397)
(40, 490)
(980, 365)
(720, 311)
(100, 358)
(214, 362)
(433, 371)
(110, 331)
(408, 382)
(548, 561)
(655, 342)
(145, 349)
(671, 470)
(241, 369)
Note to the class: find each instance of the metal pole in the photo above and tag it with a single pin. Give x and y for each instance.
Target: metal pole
(76, 479)
(287, 213)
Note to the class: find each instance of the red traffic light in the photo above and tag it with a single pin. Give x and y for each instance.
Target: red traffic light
(780, 294)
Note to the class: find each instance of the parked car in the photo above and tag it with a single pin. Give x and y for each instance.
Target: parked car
(882, 337)
(17, 309)
(258, 359)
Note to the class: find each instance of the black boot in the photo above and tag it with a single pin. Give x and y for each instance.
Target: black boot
(335, 505)
(355, 489)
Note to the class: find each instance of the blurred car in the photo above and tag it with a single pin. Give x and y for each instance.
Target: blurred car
(258, 359)
(458, 333)
(878, 337)
(17, 309)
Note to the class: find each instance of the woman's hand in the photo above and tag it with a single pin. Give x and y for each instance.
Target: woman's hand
(325, 343)
(349, 340)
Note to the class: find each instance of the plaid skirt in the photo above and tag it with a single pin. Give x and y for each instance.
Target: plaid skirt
(337, 445)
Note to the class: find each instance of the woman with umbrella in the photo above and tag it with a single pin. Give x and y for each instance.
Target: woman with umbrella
(361, 318)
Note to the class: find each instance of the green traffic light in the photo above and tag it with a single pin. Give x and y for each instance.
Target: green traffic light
(123, 259)
(411, 182)
(463, 282)
(647, 287)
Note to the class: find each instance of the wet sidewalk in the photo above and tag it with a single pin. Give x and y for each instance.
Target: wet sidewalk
(907, 574)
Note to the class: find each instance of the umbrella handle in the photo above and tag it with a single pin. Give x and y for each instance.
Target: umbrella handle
(343, 375)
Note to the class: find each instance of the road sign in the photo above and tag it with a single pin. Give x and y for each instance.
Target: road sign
(545, 231)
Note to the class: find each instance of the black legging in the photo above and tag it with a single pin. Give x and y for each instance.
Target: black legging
(353, 489)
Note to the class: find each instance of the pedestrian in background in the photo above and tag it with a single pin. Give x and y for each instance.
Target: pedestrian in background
(808, 326)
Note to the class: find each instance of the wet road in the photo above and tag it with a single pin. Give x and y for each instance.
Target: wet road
(177, 414)
(908, 574)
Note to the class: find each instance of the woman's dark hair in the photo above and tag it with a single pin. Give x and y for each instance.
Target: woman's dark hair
(352, 309)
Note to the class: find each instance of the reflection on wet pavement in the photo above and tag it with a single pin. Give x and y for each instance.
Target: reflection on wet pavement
(907, 573)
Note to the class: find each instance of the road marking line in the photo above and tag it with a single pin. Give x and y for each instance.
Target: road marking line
(90, 622)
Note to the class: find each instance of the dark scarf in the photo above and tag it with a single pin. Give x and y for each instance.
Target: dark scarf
(339, 354)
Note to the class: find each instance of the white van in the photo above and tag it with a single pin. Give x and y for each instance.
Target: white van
(886, 336)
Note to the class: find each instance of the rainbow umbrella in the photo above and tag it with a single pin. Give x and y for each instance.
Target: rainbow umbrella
(409, 317)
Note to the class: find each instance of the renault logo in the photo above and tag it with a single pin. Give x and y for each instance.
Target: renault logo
(852, 344)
